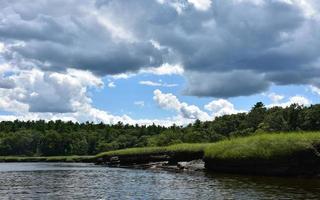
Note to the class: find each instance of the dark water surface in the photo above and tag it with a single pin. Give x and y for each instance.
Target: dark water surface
(86, 181)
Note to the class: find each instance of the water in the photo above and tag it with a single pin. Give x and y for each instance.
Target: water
(86, 181)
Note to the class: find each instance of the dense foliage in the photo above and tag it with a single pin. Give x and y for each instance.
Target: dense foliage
(40, 138)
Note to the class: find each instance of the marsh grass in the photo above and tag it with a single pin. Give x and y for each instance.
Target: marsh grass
(264, 146)
(177, 148)
(259, 146)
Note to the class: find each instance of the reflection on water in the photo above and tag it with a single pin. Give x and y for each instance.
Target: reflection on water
(86, 181)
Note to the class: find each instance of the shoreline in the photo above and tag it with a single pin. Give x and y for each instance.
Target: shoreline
(84, 159)
(281, 154)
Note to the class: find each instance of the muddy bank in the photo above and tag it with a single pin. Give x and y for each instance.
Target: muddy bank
(305, 163)
(170, 157)
(190, 166)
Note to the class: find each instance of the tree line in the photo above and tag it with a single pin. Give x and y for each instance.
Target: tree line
(52, 138)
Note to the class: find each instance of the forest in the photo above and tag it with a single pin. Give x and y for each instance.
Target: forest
(59, 138)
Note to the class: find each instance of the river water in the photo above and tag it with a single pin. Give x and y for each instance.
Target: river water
(87, 181)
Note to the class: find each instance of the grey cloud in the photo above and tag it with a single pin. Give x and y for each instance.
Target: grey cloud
(270, 43)
(6, 83)
(73, 39)
(225, 84)
(275, 42)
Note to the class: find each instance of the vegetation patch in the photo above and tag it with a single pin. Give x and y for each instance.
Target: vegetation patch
(173, 153)
(264, 146)
(156, 150)
(283, 154)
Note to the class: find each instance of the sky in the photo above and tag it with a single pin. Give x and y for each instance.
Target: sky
(155, 61)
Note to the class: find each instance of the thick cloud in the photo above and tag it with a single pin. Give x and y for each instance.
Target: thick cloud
(58, 35)
(225, 84)
(37, 91)
(227, 48)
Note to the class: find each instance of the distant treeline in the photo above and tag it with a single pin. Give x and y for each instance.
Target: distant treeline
(40, 138)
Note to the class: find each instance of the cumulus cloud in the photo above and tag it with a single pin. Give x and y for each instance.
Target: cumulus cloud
(40, 91)
(171, 102)
(221, 107)
(275, 98)
(300, 100)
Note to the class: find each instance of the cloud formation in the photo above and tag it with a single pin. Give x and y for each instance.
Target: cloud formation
(217, 107)
(38, 91)
(215, 41)
(52, 52)
(300, 100)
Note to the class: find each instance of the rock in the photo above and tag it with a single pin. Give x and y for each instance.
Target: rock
(182, 165)
(194, 165)
(114, 161)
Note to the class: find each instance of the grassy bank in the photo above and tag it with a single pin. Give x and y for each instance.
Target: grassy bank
(267, 154)
(178, 148)
(47, 159)
(260, 146)
(283, 154)
(264, 146)
(173, 154)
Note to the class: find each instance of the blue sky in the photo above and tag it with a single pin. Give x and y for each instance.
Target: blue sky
(155, 61)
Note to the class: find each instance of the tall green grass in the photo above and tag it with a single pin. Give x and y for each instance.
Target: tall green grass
(260, 146)
(263, 146)
(185, 147)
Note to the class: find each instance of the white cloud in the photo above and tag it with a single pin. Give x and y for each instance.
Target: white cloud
(149, 83)
(111, 84)
(315, 90)
(165, 69)
(2, 47)
(300, 100)
(4, 67)
(38, 91)
(217, 107)
(221, 107)
(85, 77)
(170, 102)
(201, 4)
(166, 101)
(123, 76)
(275, 98)
(159, 84)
